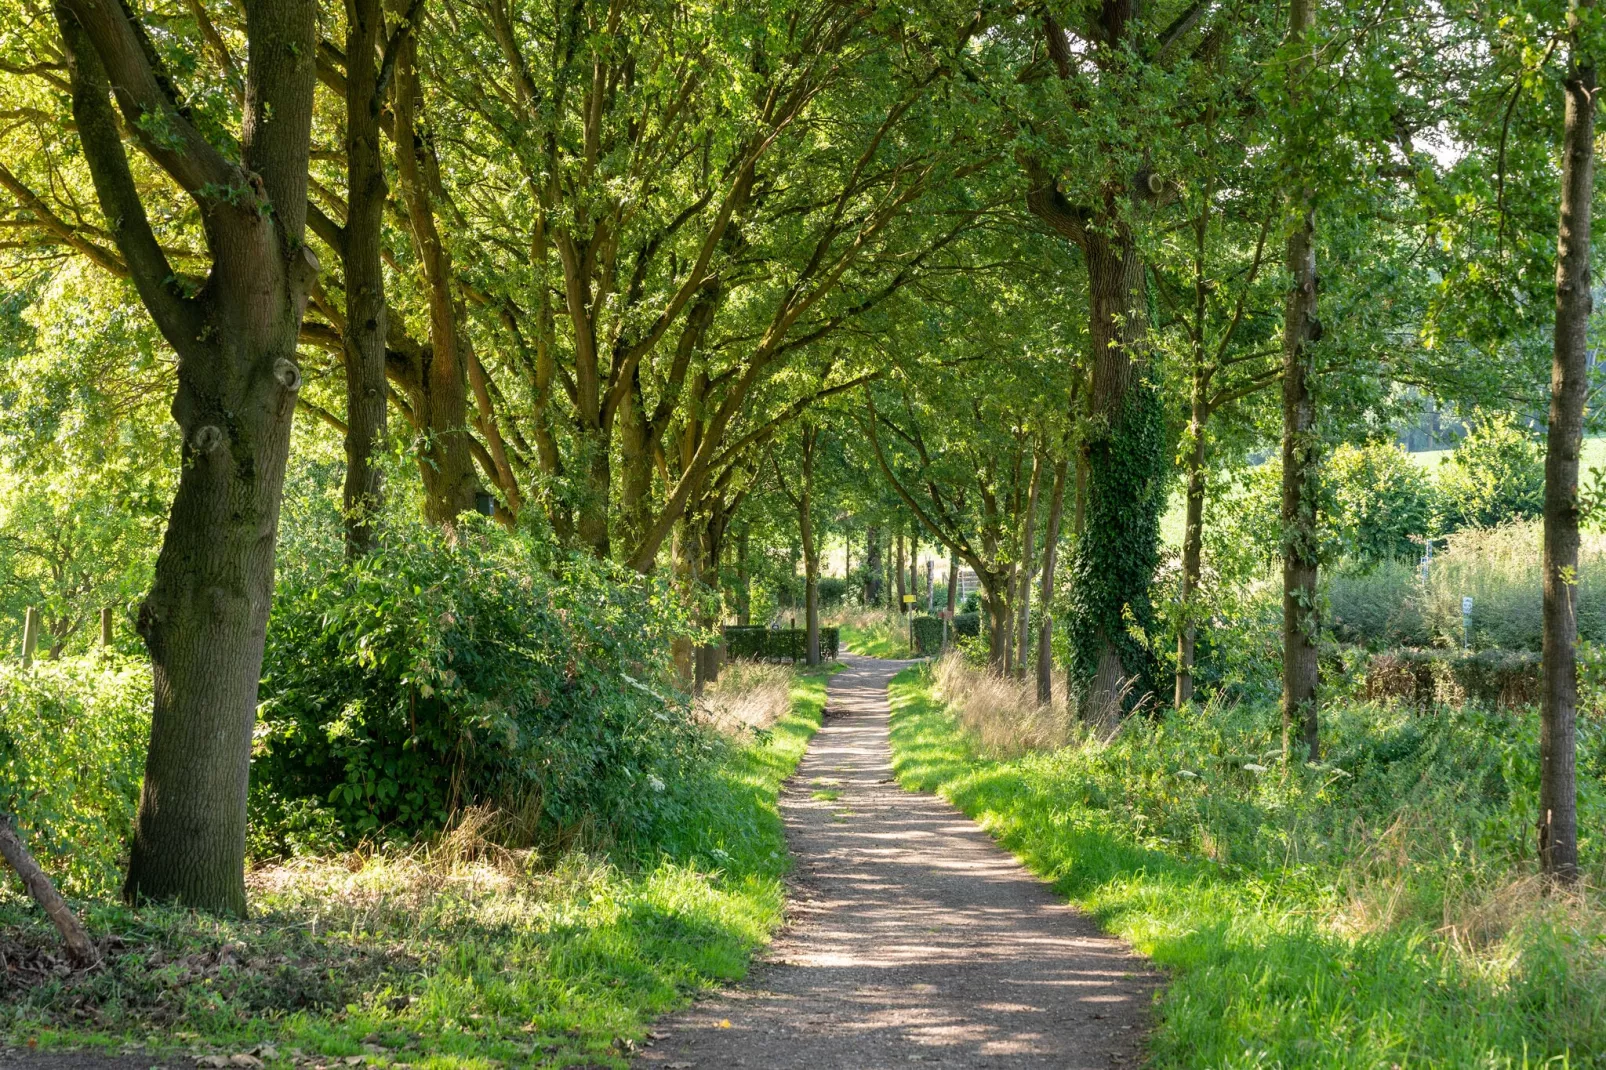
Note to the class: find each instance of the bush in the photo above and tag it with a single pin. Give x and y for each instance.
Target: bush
(1495, 475)
(72, 753)
(968, 624)
(832, 592)
(780, 644)
(429, 677)
(1381, 503)
(928, 635)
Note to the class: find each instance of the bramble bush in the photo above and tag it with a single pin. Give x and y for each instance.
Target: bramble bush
(437, 674)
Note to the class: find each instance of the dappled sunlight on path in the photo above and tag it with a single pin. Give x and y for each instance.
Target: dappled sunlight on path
(913, 937)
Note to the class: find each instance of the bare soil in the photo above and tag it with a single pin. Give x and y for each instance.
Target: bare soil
(913, 938)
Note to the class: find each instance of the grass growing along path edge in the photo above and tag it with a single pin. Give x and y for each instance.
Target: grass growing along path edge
(1260, 974)
(462, 956)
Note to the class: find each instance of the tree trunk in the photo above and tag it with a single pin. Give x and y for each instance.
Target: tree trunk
(953, 584)
(1301, 471)
(364, 337)
(80, 949)
(998, 620)
(897, 570)
(1027, 554)
(744, 589)
(1558, 789)
(1192, 546)
(205, 619)
(872, 566)
(1045, 597)
(811, 556)
(439, 397)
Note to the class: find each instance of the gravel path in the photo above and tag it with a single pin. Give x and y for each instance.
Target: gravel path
(913, 937)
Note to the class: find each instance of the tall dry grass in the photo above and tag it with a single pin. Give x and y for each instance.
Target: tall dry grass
(748, 696)
(1002, 714)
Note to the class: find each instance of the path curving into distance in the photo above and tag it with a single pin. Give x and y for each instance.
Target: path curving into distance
(912, 937)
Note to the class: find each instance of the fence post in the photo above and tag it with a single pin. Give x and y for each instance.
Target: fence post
(30, 635)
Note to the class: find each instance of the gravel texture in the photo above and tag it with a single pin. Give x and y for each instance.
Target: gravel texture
(912, 937)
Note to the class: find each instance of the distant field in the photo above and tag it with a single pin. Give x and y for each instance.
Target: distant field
(1594, 455)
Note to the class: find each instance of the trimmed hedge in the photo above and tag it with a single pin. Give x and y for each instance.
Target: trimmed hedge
(758, 643)
(1500, 679)
(967, 624)
(928, 632)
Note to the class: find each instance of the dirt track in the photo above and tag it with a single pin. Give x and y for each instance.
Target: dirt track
(913, 938)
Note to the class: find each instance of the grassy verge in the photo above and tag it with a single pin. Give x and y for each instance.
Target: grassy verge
(875, 633)
(460, 955)
(1283, 950)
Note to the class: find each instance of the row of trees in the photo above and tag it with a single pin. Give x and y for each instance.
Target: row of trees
(609, 269)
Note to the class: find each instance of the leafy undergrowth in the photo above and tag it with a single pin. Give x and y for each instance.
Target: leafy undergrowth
(876, 633)
(461, 954)
(1373, 912)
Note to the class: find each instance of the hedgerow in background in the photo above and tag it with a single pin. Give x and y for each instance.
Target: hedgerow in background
(72, 752)
(440, 673)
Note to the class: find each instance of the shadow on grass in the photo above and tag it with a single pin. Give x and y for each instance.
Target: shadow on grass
(1260, 975)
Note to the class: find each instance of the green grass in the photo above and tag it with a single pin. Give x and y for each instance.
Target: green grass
(876, 635)
(1287, 944)
(465, 956)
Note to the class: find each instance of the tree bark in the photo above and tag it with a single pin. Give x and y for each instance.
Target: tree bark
(1192, 544)
(1558, 789)
(897, 569)
(744, 591)
(205, 619)
(364, 336)
(1027, 554)
(1300, 447)
(953, 585)
(1045, 597)
(872, 566)
(439, 395)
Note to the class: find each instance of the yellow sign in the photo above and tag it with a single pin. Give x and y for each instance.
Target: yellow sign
(909, 598)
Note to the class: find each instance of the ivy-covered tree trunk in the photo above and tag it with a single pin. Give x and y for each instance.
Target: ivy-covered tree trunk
(872, 566)
(1027, 554)
(1301, 456)
(205, 619)
(1569, 384)
(1111, 617)
(1192, 543)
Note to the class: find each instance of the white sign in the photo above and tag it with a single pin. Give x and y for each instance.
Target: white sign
(1466, 605)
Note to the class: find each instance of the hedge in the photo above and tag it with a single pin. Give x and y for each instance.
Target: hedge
(967, 624)
(928, 635)
(757, 643)
(1501, 679)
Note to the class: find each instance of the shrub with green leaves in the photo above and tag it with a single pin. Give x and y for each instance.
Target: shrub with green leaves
(1495, 475)
(72, 754)
(437, 674)
(1380, 503)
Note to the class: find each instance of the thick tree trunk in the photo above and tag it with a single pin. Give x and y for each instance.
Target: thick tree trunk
(1301, 473)
(1045, 597)
(1558, 789)
(205, 619)
(364, 338)
(1192, 546)
(998, 620)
